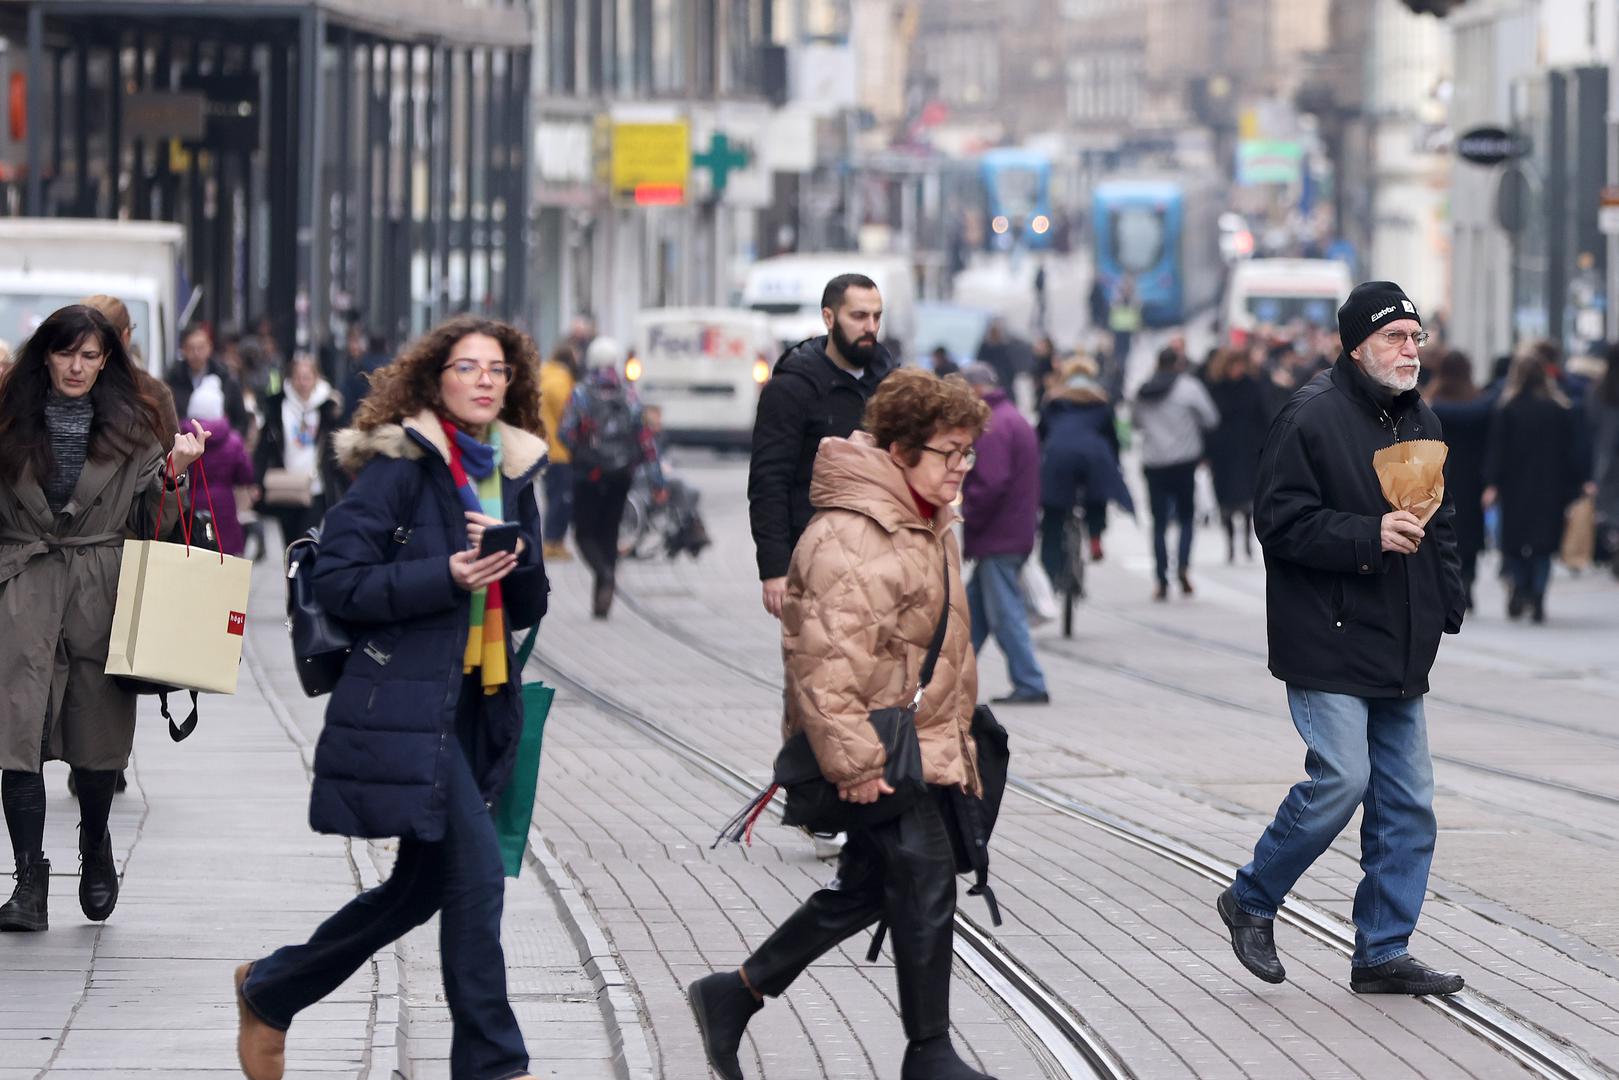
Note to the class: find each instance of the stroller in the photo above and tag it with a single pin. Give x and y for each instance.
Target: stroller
(672, 524)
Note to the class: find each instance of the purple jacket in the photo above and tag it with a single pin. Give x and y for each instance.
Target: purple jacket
(1000, 501)
(224, 458)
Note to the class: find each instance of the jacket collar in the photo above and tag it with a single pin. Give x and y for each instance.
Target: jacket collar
(1349, 378)
(809, 358)
(852, 474)
(522, 452)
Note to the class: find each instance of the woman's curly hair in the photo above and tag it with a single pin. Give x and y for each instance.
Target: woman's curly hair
(911, 406)
(411, 383)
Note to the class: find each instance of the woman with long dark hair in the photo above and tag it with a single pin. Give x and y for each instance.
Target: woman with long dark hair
(1465, 412)
(1534, 469)
(85, 460)
(422, 729)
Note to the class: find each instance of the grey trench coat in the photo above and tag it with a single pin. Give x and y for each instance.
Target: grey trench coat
(58, 581)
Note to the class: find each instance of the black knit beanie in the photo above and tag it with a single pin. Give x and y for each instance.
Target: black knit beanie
(1372, 305)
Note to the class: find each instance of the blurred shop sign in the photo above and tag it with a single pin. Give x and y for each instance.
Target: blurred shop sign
(231, 112)
(1269, 161)
(729, 164)
(165, 114)
(651, 160)
(565, 159)
(1490, 146)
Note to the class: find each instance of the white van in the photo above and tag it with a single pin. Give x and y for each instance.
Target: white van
(1276, 292)
(787, 289)
(48, 263)
(702, 368)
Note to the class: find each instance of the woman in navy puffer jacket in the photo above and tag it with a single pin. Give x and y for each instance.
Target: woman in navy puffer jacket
(423, 726)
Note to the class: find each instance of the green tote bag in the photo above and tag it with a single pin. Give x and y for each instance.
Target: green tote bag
(515, 810)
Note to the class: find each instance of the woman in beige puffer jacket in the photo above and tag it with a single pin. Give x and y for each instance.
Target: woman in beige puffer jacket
(864, 594)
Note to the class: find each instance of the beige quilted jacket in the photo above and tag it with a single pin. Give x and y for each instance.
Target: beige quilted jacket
(864, 594)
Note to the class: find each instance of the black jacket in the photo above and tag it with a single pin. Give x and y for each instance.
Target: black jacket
(271, 451)
(179, 380)
(1344, 616)
(1537, 462)
(807, 399)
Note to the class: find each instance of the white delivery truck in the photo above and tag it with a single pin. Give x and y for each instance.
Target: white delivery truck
(1278, 292)
(787, 289)
(48, 263)
(702, 368)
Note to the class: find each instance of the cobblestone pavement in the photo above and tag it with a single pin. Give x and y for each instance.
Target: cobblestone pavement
(1164, 716)
(219, 866)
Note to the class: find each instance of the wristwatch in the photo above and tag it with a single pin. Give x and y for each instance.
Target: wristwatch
(174, 483)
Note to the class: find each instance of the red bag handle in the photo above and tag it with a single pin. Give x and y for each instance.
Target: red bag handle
(186, 520)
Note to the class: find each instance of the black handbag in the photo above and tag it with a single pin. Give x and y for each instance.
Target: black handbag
(813, 802)
(321, 643)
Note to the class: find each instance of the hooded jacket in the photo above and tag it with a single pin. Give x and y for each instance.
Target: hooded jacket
(1000, 499)
(271, 451)
(1172, 412)
(384, 568)
(1080, 449)
(864, 594)
(1344, 616)
(807, 399)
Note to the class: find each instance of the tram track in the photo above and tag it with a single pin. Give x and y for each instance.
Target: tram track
(1536, 1050)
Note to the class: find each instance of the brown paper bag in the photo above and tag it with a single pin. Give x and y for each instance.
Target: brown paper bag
(1412, 475)
(179, 616)
(1580, 534)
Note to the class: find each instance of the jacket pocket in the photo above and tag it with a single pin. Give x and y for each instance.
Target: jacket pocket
(1339, 608)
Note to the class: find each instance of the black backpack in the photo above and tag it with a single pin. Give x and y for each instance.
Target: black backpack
(609, 432)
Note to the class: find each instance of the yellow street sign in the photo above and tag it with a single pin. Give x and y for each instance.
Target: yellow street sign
(651, 162)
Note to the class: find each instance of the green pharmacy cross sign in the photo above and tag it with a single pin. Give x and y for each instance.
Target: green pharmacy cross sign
(721, 159)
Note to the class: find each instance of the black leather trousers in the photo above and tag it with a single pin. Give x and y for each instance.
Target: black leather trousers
(903, 870)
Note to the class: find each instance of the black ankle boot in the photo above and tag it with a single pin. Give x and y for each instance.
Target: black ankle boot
(98, 878)
(936, 1059)
(29, 906)
(723, 1005)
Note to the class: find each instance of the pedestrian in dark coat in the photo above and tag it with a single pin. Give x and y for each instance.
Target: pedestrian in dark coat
(1234, 445)
(198, 362)
(423, 726)
(1000, 507)
(82, 467)
(1357, 596)
(818, 390)
(1535, 467)
(1602, 422)
(299, 422)
(1465, 413)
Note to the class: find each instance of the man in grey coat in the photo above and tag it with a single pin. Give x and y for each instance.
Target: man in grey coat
(1172, 414)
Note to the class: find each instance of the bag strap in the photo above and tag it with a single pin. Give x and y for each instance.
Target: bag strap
(526, 649)
(178, 732)
(931, 661)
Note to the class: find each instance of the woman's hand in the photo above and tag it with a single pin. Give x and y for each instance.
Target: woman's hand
(477, 523)
(472, 573)
(868, 791)
(187, 448)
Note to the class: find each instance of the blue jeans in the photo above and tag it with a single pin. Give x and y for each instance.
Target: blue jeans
(558, 484)
(1360, 751)
(462, 878)
(1530, 574)
(996, 602)
(1172, 491)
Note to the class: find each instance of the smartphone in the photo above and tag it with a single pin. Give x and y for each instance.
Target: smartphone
(498, 538)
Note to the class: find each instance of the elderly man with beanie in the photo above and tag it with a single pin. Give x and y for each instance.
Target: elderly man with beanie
(1000, 510)
(1357, 597)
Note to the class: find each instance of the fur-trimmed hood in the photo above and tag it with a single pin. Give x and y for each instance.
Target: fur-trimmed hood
(522, 453)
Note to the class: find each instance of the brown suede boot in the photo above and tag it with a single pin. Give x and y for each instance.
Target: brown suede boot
(261, 1049)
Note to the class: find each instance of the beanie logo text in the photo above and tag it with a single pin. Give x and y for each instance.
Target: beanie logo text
(1408, 306)
(1380, 314)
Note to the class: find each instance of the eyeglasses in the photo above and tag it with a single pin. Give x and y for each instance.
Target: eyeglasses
(467, 371)
(955, 459)
(1396, 338)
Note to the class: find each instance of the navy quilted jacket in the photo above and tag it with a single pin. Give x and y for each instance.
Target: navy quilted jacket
(384, 568)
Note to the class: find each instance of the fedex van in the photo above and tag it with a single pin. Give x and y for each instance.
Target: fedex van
(1277, 292)
(702, 369)
(787, 290)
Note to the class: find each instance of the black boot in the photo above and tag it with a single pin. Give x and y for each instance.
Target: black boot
(723, 1005)
(98, 878)
(601, 599)
(29, 906)
(1516, 603)
(936, 1059)
(1537, 608)
(1253, 939)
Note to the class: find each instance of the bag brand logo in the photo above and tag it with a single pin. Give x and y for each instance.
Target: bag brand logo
(237, 624)
(1382, 313)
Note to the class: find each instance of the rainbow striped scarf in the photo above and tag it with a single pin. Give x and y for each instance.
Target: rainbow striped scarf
(471, 460)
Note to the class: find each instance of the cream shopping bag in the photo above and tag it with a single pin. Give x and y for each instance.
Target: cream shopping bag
(180, 615)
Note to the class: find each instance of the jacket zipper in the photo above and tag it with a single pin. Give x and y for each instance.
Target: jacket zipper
(1405, 678)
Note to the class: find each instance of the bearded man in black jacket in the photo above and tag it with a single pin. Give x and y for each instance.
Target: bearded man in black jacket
(1357, 598)
(819, 389)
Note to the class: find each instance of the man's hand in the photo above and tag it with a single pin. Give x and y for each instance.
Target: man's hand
(867, 792)
(1402, 532)
(775, 591)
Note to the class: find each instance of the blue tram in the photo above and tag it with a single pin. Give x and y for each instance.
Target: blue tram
(1164, 235)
